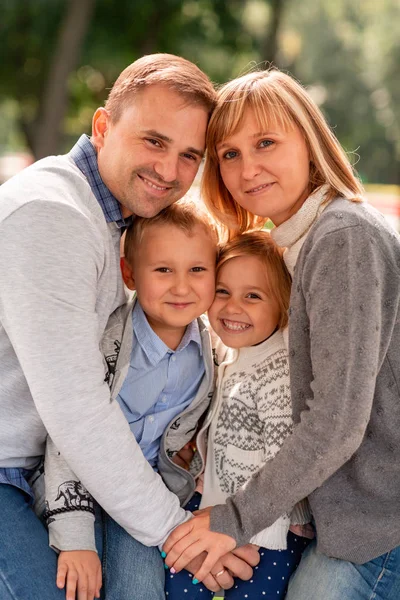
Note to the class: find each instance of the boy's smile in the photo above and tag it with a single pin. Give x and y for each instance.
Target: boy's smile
(174, 277)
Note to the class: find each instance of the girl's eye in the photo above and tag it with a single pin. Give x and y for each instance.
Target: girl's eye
(254, 296)
(266, 143)
(221, 291)
(197, 269)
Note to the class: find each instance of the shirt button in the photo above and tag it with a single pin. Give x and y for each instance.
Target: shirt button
(151, 418)
(164, 398)
(174, 358)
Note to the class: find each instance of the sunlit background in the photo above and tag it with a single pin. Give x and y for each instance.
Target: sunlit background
(60, 57)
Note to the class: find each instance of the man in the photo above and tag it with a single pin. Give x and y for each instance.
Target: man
(60, 226)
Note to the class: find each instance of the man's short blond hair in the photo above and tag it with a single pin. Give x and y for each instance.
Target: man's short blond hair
(184, 214)
(261, 245)
(175, 72)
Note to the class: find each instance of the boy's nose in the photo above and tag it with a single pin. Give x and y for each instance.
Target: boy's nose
(180, 286)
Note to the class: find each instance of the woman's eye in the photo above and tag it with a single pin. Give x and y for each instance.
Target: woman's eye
(229, 155)
(266, 143)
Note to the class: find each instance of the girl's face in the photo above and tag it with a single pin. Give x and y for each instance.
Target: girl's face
(243, 312)
(266, 172)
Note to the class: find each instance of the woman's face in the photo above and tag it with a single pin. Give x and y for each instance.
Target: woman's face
(266, 172)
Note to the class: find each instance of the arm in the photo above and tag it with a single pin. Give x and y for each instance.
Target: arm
(70, 507)
(48, 280)
(345, 282)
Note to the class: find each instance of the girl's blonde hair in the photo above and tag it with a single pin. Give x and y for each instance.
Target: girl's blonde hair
(260, 245)
(275, 98)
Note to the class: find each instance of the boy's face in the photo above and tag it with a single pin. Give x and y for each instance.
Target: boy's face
(174, 277)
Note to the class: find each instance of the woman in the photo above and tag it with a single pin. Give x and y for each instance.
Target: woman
(272, 155)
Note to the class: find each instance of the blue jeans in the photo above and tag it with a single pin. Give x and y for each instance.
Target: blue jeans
(131, 571)
(28, 565)
(320, 577)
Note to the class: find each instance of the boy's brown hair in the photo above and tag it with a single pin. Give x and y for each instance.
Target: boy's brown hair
(175, 72)
(184, 214)
(261, 245)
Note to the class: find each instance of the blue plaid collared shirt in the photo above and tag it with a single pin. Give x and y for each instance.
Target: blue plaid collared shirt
(18, 478)
(85, 157)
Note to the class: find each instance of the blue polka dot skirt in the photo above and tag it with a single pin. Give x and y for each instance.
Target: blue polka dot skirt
(270, 577)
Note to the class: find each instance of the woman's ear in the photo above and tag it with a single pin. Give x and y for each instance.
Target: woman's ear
(127, 274)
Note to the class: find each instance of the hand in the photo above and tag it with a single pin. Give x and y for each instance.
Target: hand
(241, 560)
(183, 458)
(192, 538)
(80, 570)
(211, 581)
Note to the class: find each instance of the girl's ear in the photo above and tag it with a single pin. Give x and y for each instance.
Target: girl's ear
(127, 274)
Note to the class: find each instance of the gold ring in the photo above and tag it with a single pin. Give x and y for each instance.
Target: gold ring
(220, 573)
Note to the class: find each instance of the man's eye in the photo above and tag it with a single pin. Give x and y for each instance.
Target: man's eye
(154, 142)
(190, 156)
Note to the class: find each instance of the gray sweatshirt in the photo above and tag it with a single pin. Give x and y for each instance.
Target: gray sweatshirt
(59, 283)
(344, 340)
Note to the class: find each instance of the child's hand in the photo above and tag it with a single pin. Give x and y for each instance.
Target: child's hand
(183, 458)
(80, 572)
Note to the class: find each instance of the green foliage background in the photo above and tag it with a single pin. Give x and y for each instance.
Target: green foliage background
(347, 53)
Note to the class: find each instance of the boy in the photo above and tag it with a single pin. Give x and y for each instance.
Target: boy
(159, 365)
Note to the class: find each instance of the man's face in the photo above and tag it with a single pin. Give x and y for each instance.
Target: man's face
(150, 156)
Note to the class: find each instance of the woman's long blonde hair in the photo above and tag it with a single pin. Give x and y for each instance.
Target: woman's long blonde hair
(274, 97)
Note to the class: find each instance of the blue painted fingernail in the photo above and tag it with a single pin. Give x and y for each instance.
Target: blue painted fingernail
(163, 554)
(195, 581)
(166, 566)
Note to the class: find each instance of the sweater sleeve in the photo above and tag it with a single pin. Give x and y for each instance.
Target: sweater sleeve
(69, 506)
(348, 287)
(51, 258)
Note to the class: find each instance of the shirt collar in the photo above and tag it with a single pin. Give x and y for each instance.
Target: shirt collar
(85, 157)
(154, 348)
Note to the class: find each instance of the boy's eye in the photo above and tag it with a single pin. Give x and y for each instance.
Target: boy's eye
(163, 270)
(221, 291)
(197, 269)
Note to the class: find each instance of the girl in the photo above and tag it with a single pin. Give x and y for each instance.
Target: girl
(272, 155)
(251, 414)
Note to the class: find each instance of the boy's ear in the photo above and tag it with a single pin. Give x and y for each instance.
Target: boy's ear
(127, 274)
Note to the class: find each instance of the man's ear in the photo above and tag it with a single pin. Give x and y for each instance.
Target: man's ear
(127, 274)
(100, 123)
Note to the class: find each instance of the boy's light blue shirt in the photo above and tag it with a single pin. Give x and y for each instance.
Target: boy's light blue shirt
(160, 382)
